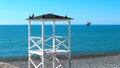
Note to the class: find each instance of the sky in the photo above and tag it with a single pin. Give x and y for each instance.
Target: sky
(97, 11)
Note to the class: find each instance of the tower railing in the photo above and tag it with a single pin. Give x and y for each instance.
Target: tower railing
(47, 39)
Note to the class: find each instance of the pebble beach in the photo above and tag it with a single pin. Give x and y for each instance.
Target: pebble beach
(101, 60)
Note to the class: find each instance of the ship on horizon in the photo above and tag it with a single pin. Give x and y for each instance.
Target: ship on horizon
(88, 23)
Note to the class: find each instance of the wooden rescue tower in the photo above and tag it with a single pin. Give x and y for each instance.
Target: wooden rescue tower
(37, 45)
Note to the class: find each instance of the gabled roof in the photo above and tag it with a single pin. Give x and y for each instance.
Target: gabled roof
(48, 17)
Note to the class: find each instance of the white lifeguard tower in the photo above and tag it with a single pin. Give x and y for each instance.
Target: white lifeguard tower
(37, 45)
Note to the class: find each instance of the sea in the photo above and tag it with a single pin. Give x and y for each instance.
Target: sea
(84, 39)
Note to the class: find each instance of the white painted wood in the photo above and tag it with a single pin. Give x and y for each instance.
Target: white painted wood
(32, 62)
(29, 23)
(69, 42)
(43, 54)
(40, 42)
(62, 43)
(49, 52)
(35, 44)
(54, 50)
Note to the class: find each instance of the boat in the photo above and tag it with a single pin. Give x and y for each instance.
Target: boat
(88, 23)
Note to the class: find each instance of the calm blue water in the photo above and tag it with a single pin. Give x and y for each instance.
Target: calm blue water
(84, 39)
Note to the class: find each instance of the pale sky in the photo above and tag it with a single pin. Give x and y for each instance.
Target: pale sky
(96, 11)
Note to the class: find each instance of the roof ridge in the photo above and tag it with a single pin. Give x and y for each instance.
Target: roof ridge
(48, 16)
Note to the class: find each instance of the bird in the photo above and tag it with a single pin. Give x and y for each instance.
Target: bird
(31, 16)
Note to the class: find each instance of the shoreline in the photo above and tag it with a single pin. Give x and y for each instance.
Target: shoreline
(78, 60)
(73, 56)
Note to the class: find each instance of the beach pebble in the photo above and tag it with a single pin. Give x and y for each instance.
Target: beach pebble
(7, 65)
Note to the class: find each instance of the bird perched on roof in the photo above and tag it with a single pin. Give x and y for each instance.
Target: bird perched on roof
(31, 16)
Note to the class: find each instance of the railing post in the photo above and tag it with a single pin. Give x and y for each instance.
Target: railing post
(29, 25)
(43, 54)
(54, 44)
(69, 42)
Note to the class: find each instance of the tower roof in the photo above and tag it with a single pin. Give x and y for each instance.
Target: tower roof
(49, 17)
